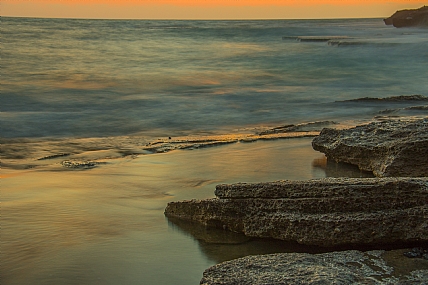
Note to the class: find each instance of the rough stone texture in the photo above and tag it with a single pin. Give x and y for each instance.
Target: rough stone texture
(324, 212)
(409, 18)
(389, 148)
(346, 267)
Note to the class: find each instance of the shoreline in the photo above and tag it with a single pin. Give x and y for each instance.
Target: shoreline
(21, 153)
(387, 210)
(86, 153)
(121, 203)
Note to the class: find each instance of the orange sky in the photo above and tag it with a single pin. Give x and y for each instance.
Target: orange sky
(205, 9)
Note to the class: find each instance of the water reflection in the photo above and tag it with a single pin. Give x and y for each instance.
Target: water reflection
(221, 245)
(106, 225)
(339, 169)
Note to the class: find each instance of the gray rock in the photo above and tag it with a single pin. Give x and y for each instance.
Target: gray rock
(323, 212)
(389, 148)
(345, 267)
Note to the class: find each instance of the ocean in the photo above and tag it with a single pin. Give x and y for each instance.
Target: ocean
(103, 122)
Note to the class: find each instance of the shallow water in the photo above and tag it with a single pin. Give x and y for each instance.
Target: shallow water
(106, 225)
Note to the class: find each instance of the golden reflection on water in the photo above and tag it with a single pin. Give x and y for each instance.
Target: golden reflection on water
(45, 212)
(57, 223)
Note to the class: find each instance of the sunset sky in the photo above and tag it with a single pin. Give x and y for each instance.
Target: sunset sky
(205, 9)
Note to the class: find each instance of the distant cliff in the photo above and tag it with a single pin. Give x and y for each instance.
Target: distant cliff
(409, 18)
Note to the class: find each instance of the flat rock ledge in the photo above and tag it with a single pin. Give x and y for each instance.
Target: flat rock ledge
(390, 148)
(345, 267)
(324, 212)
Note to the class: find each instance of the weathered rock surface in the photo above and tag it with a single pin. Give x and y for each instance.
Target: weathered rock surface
(409, 18)
(323, 212)
(346, 267)
(389, 148)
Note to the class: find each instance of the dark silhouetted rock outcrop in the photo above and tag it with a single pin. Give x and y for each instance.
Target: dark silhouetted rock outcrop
(389, 148)
(401, 98)
(409, 18)
(324, 212)
(345, 267)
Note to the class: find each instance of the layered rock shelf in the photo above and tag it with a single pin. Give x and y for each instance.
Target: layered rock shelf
(345, 267)
(391, 209)
(324, 212)
(389, 148)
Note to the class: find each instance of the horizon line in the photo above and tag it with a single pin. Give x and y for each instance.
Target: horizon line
(194, 19)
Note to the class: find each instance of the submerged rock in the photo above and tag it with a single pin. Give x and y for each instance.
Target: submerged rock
(389, 148)
(79, 164)
(345, 267)
(304, 127)
(53, 156)
(401, 98)
(324, 212)
(409, 18)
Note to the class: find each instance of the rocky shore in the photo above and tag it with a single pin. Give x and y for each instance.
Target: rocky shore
(344, 267)
(390, 148)
(331, 212)
(325, 212)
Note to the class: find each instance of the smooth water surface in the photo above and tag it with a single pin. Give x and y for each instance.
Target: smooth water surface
(106, 225)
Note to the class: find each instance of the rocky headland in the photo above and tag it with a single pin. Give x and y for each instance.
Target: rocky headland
(389, 148)
(409, 18)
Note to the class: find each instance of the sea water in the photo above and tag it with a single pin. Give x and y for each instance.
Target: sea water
(86, 78)
(103, 90)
